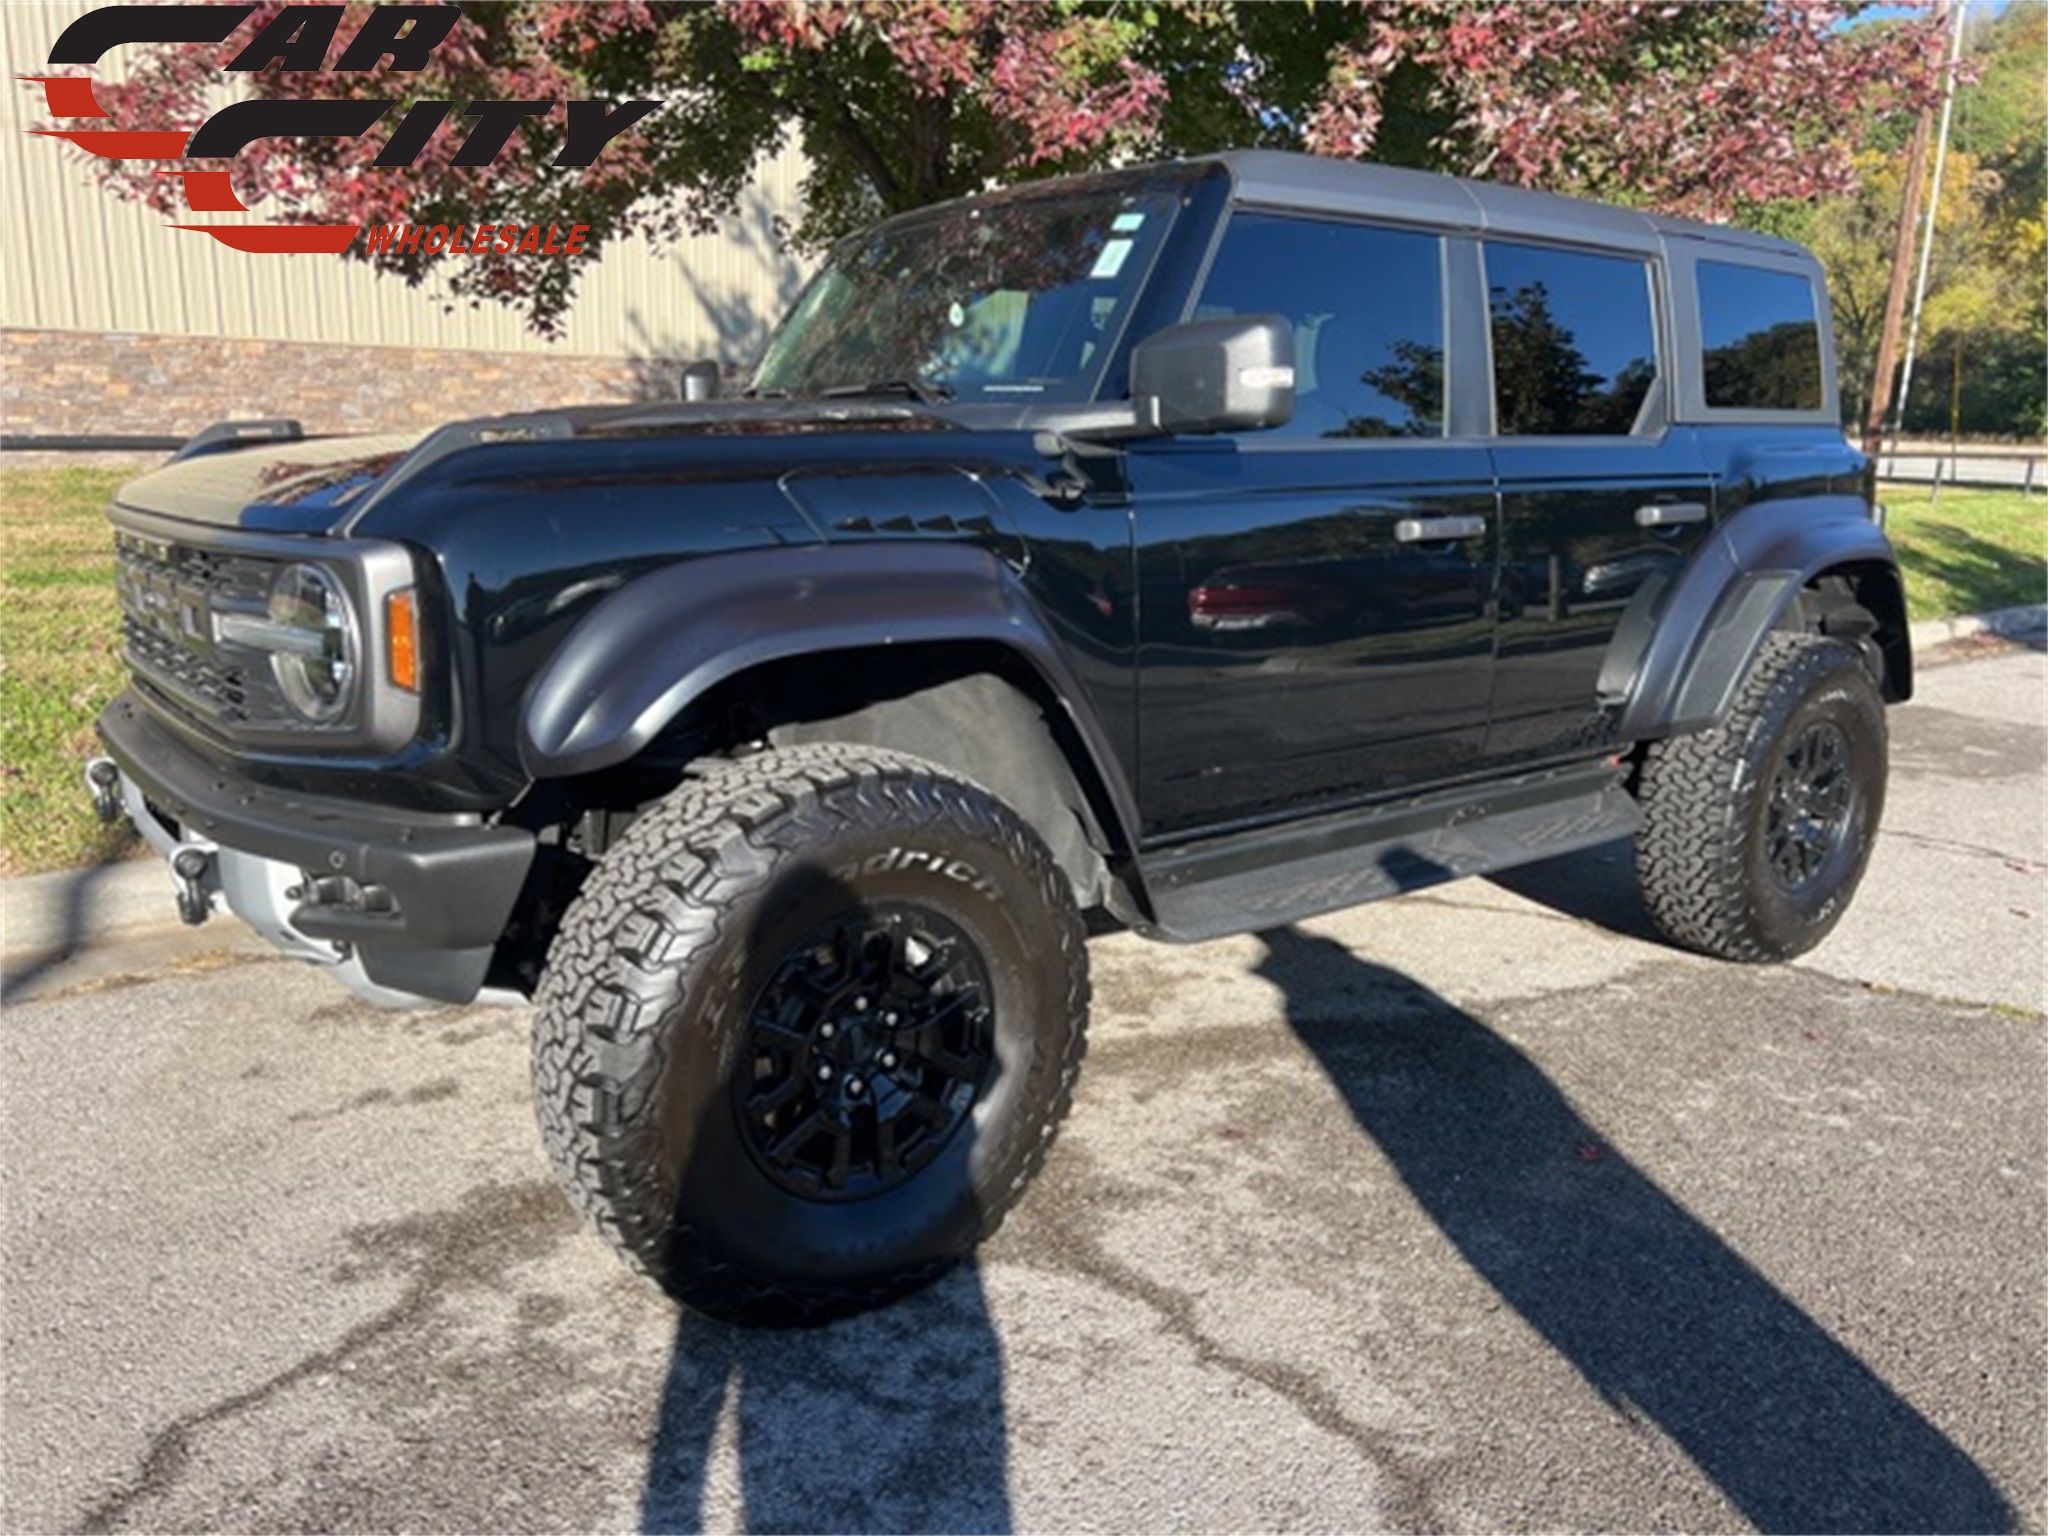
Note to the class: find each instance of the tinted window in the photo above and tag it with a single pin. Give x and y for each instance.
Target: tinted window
(1761, 336)
(1574, 347)
(1007, 298)
(1367, 308)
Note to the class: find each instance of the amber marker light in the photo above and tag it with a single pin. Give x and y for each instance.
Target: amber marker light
(402, 640)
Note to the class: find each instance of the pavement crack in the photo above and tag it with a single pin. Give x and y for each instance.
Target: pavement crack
(1892, 990)
(1497, 909)
(2022, 865)
(472, 1243)
(1408, 1504)
(42, 982)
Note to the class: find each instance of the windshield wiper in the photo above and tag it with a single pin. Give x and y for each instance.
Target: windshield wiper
(923, 391)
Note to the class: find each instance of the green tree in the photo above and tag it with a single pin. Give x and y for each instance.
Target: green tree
(1985, 325)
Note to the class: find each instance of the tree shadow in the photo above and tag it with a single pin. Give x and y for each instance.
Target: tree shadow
(741, 316)
(76, 922)
(892, 1421)
(1983, 577)
(1654, 1310)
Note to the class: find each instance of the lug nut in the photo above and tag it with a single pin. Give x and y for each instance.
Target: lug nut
(860, 1005)
(889, 1061)
(827, 1030)
(824, 1073)
(855, 1087)
(890, 1018)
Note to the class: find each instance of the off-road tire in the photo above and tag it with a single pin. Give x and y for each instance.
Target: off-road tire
(648, 1016)
(1715, 806)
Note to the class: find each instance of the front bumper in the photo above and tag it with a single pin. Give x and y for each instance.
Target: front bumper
(415, 903)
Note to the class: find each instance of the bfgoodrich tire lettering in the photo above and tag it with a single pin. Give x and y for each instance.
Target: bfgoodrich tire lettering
(1755, 833)
(808, 1031)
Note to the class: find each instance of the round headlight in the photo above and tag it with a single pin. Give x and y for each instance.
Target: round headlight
(318, 670)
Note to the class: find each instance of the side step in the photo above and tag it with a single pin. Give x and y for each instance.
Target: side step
(1250, 881)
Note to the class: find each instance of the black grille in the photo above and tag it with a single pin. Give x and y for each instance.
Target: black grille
(217, 692)
(170, 594)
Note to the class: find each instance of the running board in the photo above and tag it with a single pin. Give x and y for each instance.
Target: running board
(1251, 881)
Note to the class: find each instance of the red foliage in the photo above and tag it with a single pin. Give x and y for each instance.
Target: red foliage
(1690, 109)
(1032, 64)
(1699, 109)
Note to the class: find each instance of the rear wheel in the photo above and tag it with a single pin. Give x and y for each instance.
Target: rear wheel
(809, 1029)
(1756, 833)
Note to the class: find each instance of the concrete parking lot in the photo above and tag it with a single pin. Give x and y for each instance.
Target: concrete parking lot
(1475, 1210)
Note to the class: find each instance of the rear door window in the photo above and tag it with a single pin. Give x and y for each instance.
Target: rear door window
(1574, 340)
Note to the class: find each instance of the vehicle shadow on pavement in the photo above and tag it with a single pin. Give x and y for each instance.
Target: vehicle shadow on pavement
(1657, 1313)
(891, 1421)
(1596, 886)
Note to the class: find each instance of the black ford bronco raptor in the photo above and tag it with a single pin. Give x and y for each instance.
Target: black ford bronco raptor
(1200, 547)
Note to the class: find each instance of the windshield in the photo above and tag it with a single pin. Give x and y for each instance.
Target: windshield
(1007, 300)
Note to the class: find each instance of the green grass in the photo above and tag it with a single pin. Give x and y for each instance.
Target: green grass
(59, 663)
(1968, 551)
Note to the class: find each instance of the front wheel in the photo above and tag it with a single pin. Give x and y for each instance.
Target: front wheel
(1756, 832)
(808, 1030)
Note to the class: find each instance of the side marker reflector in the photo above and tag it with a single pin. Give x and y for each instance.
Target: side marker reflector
(402, 640)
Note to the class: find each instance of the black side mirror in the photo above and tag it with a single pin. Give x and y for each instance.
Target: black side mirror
(701, 379)
(1231, 374)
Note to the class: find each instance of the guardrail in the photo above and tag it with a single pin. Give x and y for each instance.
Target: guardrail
(2022, 467)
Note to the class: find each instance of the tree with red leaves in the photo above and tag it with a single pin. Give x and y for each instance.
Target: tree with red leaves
(1711, 110)
(1699, 110)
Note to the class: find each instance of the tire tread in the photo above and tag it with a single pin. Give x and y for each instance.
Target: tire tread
(1694, 845)
(663, 901)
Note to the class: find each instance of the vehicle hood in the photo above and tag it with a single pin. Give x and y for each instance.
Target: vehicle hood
(292, 487)
(321, 485)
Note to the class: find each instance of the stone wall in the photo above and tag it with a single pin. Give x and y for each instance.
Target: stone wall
(105, 384)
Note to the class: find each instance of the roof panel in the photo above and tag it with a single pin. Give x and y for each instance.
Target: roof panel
(1328, 185)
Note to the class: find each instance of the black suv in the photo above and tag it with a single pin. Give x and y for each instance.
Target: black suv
(1201, 547)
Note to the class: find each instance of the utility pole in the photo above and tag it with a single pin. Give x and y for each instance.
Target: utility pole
(1902, 276)
(1948, 104)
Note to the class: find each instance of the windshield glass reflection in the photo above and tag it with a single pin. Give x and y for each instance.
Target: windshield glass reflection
(1011, 299)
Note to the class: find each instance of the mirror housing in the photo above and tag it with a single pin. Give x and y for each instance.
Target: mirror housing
(1234, 373)
(701, 379)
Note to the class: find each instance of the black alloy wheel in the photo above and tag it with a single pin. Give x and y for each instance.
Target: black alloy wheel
(866, 1049)
(1812, 800)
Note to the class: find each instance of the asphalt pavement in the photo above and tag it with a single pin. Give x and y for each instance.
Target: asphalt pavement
(1475, 1210)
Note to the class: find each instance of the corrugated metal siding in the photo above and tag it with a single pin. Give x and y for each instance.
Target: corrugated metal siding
(76, 257)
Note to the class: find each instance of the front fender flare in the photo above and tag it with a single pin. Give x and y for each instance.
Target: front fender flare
(636, 661)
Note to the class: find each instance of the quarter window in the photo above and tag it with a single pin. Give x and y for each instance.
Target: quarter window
(1574, 343)
(1367, 309)
(1762, 338)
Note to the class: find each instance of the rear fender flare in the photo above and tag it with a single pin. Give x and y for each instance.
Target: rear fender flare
(1684, 669)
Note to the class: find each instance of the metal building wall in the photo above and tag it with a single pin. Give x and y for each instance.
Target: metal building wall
(75, 257)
